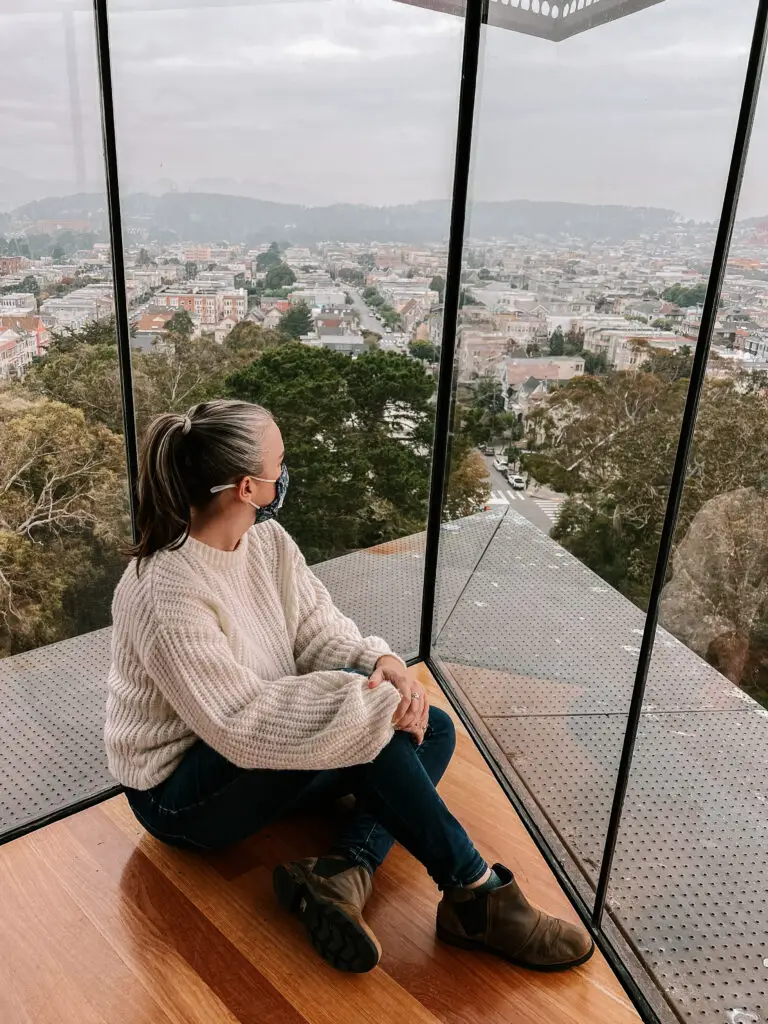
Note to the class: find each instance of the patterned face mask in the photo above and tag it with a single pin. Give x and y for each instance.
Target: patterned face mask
(265, 512)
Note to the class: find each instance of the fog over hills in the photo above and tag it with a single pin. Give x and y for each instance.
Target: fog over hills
(205, 217)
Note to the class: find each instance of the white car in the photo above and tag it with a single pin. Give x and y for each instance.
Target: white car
(517, 483)
(500, 463)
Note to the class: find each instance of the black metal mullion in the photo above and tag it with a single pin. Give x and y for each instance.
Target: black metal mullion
(476, 16)
(717, 274)
(118, 258)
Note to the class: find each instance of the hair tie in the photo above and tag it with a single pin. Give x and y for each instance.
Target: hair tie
(187, 425)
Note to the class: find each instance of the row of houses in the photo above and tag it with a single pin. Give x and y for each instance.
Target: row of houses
(22, 338)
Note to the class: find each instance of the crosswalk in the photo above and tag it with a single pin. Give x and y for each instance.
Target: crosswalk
(550, 507)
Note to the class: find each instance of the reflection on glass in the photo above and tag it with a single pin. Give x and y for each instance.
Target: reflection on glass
(587, 255)
(63, 513)
(284, 254)
(688, 886)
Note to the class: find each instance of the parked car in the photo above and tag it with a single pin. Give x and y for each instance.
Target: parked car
(500, 463)
(516, 482)
(486, 449)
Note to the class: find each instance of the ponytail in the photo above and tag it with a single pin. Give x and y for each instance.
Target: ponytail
(182, 458)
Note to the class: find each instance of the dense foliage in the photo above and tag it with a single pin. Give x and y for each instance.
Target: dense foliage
(358, 438)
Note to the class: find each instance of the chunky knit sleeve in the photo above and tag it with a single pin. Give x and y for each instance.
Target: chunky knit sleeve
(311, 721)
(324, 637)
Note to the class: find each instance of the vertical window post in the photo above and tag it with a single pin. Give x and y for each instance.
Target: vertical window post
(476, 16)
(118, 259)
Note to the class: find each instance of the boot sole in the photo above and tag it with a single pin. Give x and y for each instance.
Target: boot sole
(337, 937)
(456, 940)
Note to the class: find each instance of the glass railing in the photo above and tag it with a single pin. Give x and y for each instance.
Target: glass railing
(281, 175)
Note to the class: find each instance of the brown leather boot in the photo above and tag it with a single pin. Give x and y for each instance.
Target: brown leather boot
(329, 900)
(502, 921)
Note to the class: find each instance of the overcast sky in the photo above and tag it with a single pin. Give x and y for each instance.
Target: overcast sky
(321, 101)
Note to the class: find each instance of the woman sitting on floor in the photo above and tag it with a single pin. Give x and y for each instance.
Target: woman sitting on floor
(239, 692)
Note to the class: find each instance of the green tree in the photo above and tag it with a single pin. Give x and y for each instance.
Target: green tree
(609, 442)
(269, 259)
(358, 438)
(180, 327)
(62, 499)
(371, 339)
(144, 259)
(489, 395)
(437, 284)
(573, 341)
(190, 270)
(683, 296)
(29, 284)
(351, 276)
(279, 276)
(556, 342)
(247, 340)
(424, 350)
(297, 321)
(81, 370)
(595, 363)
(668, 366)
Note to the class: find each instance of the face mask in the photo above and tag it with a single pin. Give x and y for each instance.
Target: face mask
(265, 512)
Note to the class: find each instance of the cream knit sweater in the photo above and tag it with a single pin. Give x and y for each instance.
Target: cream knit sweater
(242, 650)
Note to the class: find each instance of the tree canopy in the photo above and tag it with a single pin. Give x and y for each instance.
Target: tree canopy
(609, 443)
(358, 436)
(683, 295)
(63, 510)
(279, 276)
(297, 321)
(424, 350)
(270, 258)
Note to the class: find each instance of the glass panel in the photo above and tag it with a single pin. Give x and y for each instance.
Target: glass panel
(689, 879)
(63, 494)
(287, 207)
(573, 365)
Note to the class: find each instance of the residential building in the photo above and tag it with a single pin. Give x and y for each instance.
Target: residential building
(513, 372)
(93, 302)
(20, 303)
(28, 324)
(480, 352)
(11, 264)
(223, 327)
(234, 304)
(17, 350)
(204, 301)
(619, 345)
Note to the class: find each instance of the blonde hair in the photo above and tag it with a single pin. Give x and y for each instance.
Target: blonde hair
(183, 457)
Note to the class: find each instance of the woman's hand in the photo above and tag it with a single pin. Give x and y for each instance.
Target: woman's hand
(412, 713)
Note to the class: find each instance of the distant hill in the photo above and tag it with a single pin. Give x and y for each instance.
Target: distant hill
(208, 217)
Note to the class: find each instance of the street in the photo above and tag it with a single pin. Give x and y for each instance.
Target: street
(540, 512)
(367, 320)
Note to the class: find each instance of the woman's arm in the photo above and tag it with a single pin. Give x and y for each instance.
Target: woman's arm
(311, 721)
(324, 637)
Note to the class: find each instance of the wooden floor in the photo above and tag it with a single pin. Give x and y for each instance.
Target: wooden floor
(101, 924)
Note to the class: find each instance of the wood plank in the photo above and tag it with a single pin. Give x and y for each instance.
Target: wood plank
(55, 967)
(192, 970)
(101, 924)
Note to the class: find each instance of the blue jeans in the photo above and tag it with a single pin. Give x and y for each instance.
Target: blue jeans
(208, 802)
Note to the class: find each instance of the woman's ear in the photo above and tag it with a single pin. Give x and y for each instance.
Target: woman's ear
(245, 489)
